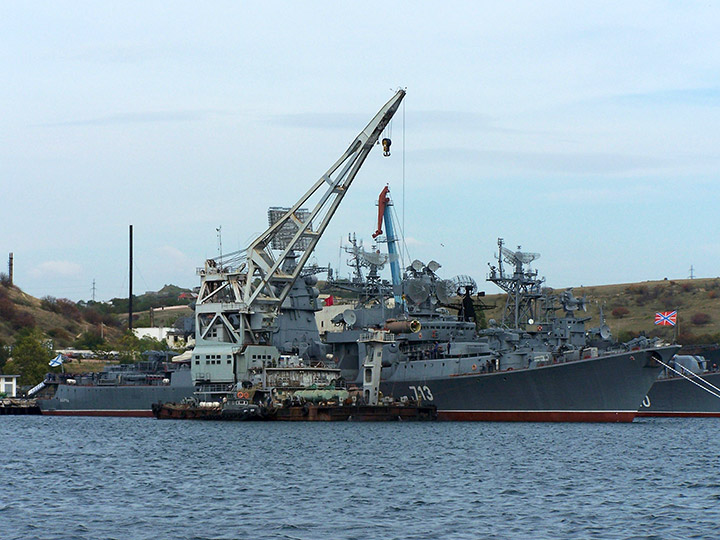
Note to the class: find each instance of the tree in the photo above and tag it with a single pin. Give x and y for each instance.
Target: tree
(30, 358)
(90, 340)
(130, 346)
(4, 354)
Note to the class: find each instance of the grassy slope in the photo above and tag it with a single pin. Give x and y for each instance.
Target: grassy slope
(642, 300)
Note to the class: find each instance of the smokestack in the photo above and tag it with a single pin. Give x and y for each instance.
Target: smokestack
(10, 268)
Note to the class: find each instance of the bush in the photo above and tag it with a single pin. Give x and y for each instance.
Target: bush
(686, 338)
(620, 312)
(699, 319)
(7, 308)
(89, 340)
(23, 319)
(69, 309)
(49, 303)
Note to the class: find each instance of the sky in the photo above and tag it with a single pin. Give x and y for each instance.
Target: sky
(585, 131)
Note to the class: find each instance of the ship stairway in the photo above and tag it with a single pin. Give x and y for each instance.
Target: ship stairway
(35, 389)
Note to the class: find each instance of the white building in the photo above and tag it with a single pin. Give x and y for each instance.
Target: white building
(8, 385)
(167, 334)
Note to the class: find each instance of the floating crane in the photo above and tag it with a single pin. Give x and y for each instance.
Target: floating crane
(241, 293)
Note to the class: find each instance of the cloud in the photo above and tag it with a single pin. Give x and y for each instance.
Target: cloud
(704, 97)
(318, 120)
(146, 117)
(565, 163)
(56, 269)
(175, 257)
(411, 241)
(445, 120)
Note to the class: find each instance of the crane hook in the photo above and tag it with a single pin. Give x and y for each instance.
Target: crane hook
(386, 146)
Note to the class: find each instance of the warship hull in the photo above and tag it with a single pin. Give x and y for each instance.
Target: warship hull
(115, 400)
(608, 388)
(678, 397)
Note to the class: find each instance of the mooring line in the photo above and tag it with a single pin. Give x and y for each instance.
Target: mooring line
(716, 394)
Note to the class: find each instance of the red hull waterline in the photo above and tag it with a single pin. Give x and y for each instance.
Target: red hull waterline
(538, 416)
(684, 414)
(135, 413)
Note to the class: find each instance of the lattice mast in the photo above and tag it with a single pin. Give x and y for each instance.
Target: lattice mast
(523, 288)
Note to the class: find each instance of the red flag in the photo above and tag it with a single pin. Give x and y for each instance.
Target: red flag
(329, 301)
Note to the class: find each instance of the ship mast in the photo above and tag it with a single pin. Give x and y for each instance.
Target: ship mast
(523, 288)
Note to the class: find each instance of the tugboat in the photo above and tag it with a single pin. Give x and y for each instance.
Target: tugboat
(292, 392)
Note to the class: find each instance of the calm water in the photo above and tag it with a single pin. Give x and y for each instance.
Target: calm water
(126, 478)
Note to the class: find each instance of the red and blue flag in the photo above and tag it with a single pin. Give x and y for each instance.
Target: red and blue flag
(666, 318)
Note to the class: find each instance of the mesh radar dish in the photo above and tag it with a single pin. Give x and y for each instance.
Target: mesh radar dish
(444, 290)
(417, 265)
(285, 235)
(349, 317)
(374, 258)
(417, 290)
(521, 257)
(464, 282)
(433, 266)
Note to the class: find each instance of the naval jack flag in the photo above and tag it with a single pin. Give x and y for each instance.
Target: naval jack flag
(57, 361)
(666, 318)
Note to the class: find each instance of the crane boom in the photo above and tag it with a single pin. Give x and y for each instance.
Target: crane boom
(237, 306)
(260, 261)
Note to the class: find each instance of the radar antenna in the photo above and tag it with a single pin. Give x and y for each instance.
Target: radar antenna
(523, 287)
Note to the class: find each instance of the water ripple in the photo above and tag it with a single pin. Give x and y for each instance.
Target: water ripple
(125, 478)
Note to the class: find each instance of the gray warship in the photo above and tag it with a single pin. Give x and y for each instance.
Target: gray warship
(117, 390)
(534, 365)
(689, 386)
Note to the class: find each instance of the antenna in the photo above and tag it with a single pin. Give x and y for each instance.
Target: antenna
(93, 290)
(219, 235)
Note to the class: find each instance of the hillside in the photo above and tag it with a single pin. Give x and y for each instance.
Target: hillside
(61, 320)
(66, 322)
(630, 308)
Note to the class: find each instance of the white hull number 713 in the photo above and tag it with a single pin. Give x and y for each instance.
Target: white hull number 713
(422, 392)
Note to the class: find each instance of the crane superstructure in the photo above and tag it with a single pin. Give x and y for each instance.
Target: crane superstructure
(384, 214)
(240, 294)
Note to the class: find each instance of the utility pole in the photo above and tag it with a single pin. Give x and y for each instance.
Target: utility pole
(130, 294)
(93, 291)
